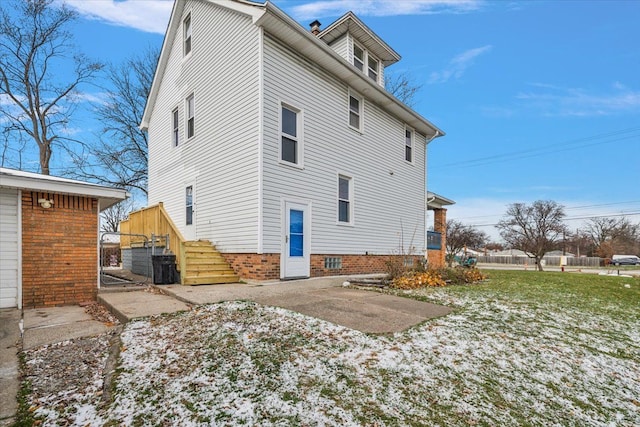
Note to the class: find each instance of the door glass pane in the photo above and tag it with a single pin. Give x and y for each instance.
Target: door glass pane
(189, 205)
(296, 233)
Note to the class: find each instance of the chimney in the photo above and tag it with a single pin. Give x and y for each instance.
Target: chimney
(315, 27)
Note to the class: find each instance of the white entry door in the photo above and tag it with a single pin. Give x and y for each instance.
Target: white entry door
(9, 247)
(296, 257)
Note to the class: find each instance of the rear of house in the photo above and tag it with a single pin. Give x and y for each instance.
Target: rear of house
(281, 146)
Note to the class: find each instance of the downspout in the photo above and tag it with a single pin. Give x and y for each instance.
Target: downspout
(426, 208)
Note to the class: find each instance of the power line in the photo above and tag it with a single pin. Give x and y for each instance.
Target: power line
(546, 149)
(572, 218)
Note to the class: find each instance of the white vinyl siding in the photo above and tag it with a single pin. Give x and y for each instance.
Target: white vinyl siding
(9, 247)
(341, 46)
(221, 161)
(390, 197)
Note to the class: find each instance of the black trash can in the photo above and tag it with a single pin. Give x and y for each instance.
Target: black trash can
(163, 269)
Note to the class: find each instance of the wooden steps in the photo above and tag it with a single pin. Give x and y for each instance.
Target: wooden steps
(203, 265)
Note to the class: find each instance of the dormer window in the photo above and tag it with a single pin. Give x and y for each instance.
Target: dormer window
(358, 57)
(373, 68)
(361, 57)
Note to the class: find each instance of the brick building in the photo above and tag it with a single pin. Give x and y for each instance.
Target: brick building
(437, 239)
(49, 239)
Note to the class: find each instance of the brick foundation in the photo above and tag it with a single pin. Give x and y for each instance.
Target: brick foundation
(59, 250)
(267, 266)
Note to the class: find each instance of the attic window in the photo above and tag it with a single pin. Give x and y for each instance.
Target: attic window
(187, 35)
(358, 57)
(361, 57)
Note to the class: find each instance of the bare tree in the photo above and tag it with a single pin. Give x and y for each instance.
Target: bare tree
(460, 236)
(402, 86)
(110, 218)
(613, 235)
(34, 46)
(535, 229)
(119, 157)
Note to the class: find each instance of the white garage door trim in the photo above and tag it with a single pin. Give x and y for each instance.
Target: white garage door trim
(10, 248)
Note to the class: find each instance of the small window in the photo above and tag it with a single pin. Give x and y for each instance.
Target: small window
(408, 145)
(355, 112)
(373, 68)
(176, 127)
(290, 137)
(333, 263)
(187, 35)
(344, 199)
(358, 57)
(189, 205)
(191, 114)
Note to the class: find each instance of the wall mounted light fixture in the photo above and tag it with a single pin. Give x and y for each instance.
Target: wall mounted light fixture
(45, 203)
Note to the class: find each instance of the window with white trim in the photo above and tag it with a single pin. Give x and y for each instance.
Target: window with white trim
(408, 145)
(361, 57)
(358, 57)
(355, 112)
(374, 67)
(189, 205)
(186, 28)
(191, 116)
(345, 199)
(176, 127)
(290, 134)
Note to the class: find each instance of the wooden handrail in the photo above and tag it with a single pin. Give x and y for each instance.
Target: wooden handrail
(152, 220)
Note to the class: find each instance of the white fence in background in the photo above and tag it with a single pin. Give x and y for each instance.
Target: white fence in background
(549, 260)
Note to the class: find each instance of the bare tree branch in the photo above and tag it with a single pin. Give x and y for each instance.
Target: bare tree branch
(32, 39)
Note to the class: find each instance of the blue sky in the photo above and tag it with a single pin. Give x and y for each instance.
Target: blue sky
(539, 99)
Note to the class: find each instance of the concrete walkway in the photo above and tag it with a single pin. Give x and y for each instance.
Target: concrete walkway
(323, 298)
(9, 367)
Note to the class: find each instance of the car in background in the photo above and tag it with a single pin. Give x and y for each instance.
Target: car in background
(625, 260)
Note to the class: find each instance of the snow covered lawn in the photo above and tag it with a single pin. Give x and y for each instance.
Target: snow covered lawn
(544, 351)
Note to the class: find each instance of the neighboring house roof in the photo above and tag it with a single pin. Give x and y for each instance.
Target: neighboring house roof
(350, 23)
(435, 201)
(301, 40)
(107, 196)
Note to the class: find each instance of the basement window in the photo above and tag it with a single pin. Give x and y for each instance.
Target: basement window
(333, 263)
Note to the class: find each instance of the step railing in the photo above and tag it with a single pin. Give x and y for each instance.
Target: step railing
(152, 221)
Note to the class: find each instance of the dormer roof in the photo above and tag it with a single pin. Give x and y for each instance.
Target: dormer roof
(362, 34)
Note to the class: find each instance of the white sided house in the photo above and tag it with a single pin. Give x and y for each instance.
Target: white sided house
(280, 146)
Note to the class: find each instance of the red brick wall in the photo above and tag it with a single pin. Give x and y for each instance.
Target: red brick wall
(437, 258)
(59, 250)
(267, 266)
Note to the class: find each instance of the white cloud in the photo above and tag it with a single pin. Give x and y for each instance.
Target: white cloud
(150, 16)
(322, 8)
(553, 100)
(458, 65)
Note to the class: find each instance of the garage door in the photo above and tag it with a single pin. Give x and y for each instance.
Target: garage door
(9, 260)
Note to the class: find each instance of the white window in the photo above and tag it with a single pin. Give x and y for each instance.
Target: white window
(361, 57)
(408, 145)
(358, 57)
(186, 24)
(345, 199)
(176, 127)
(191, 115)
(355, 112)
(373, 68)
(189, 205)
(290, 135)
